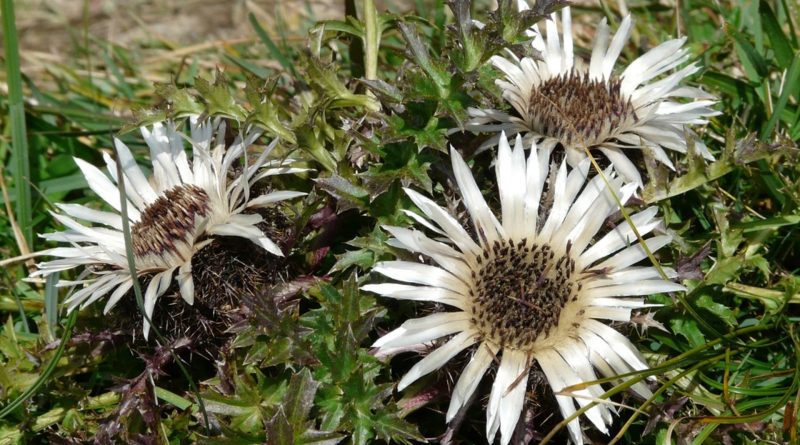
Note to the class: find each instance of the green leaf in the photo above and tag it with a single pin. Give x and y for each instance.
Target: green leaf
(343, 190)
(773, 300)
(181, 102)
(351, 26)
(754, 64)
(735, 89)
(21, 167)
(253, 402)
(226, 406)
(371, 247)
(508, 25)
(351, 297)
(470, 54)
(46, 372)
(51, 303)
(57, 186)
(780, 44)
(361, 258)
(314, 437)
(326, 80)
(290, 424)
(309, 140)
(790, 88)
(299, 398)
(121, 84)
(279, 430)
(271, 46)
(432, 133)
(724, 270)
(730, 238)
(219, 99)
(419, 51)
(687, 328)
(391, 427)
(720, 310)
(769, 223)
(249, 66)
(265, 113)
(172, 398)
(385, 91)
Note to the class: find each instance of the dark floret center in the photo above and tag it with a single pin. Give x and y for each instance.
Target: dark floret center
(579, 111)
(519, 290)
(169, 220)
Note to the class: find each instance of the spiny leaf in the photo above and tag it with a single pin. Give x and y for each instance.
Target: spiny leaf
(219, 99)
(349, 194)
(419, 52)
(326, 81)
(299, 398)
(265, 113)
(688, 328)
(720, 310)
(279, 430)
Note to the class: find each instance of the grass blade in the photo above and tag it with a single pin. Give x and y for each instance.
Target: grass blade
(51, 302)
(789, 88)
(19, 138)
(172, 398)
(273, 48)
(51, 366)
(780, 44)
(753, 62)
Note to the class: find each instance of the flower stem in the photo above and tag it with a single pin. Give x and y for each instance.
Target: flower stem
(372, 37)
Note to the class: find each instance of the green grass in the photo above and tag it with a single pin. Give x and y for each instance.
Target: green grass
(19, 137)
(726, 366)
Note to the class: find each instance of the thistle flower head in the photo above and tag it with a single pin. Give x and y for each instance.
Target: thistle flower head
(172, 214)
(530, 287)
(563, 100)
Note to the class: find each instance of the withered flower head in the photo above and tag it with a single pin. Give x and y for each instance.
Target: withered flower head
(181, 208)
